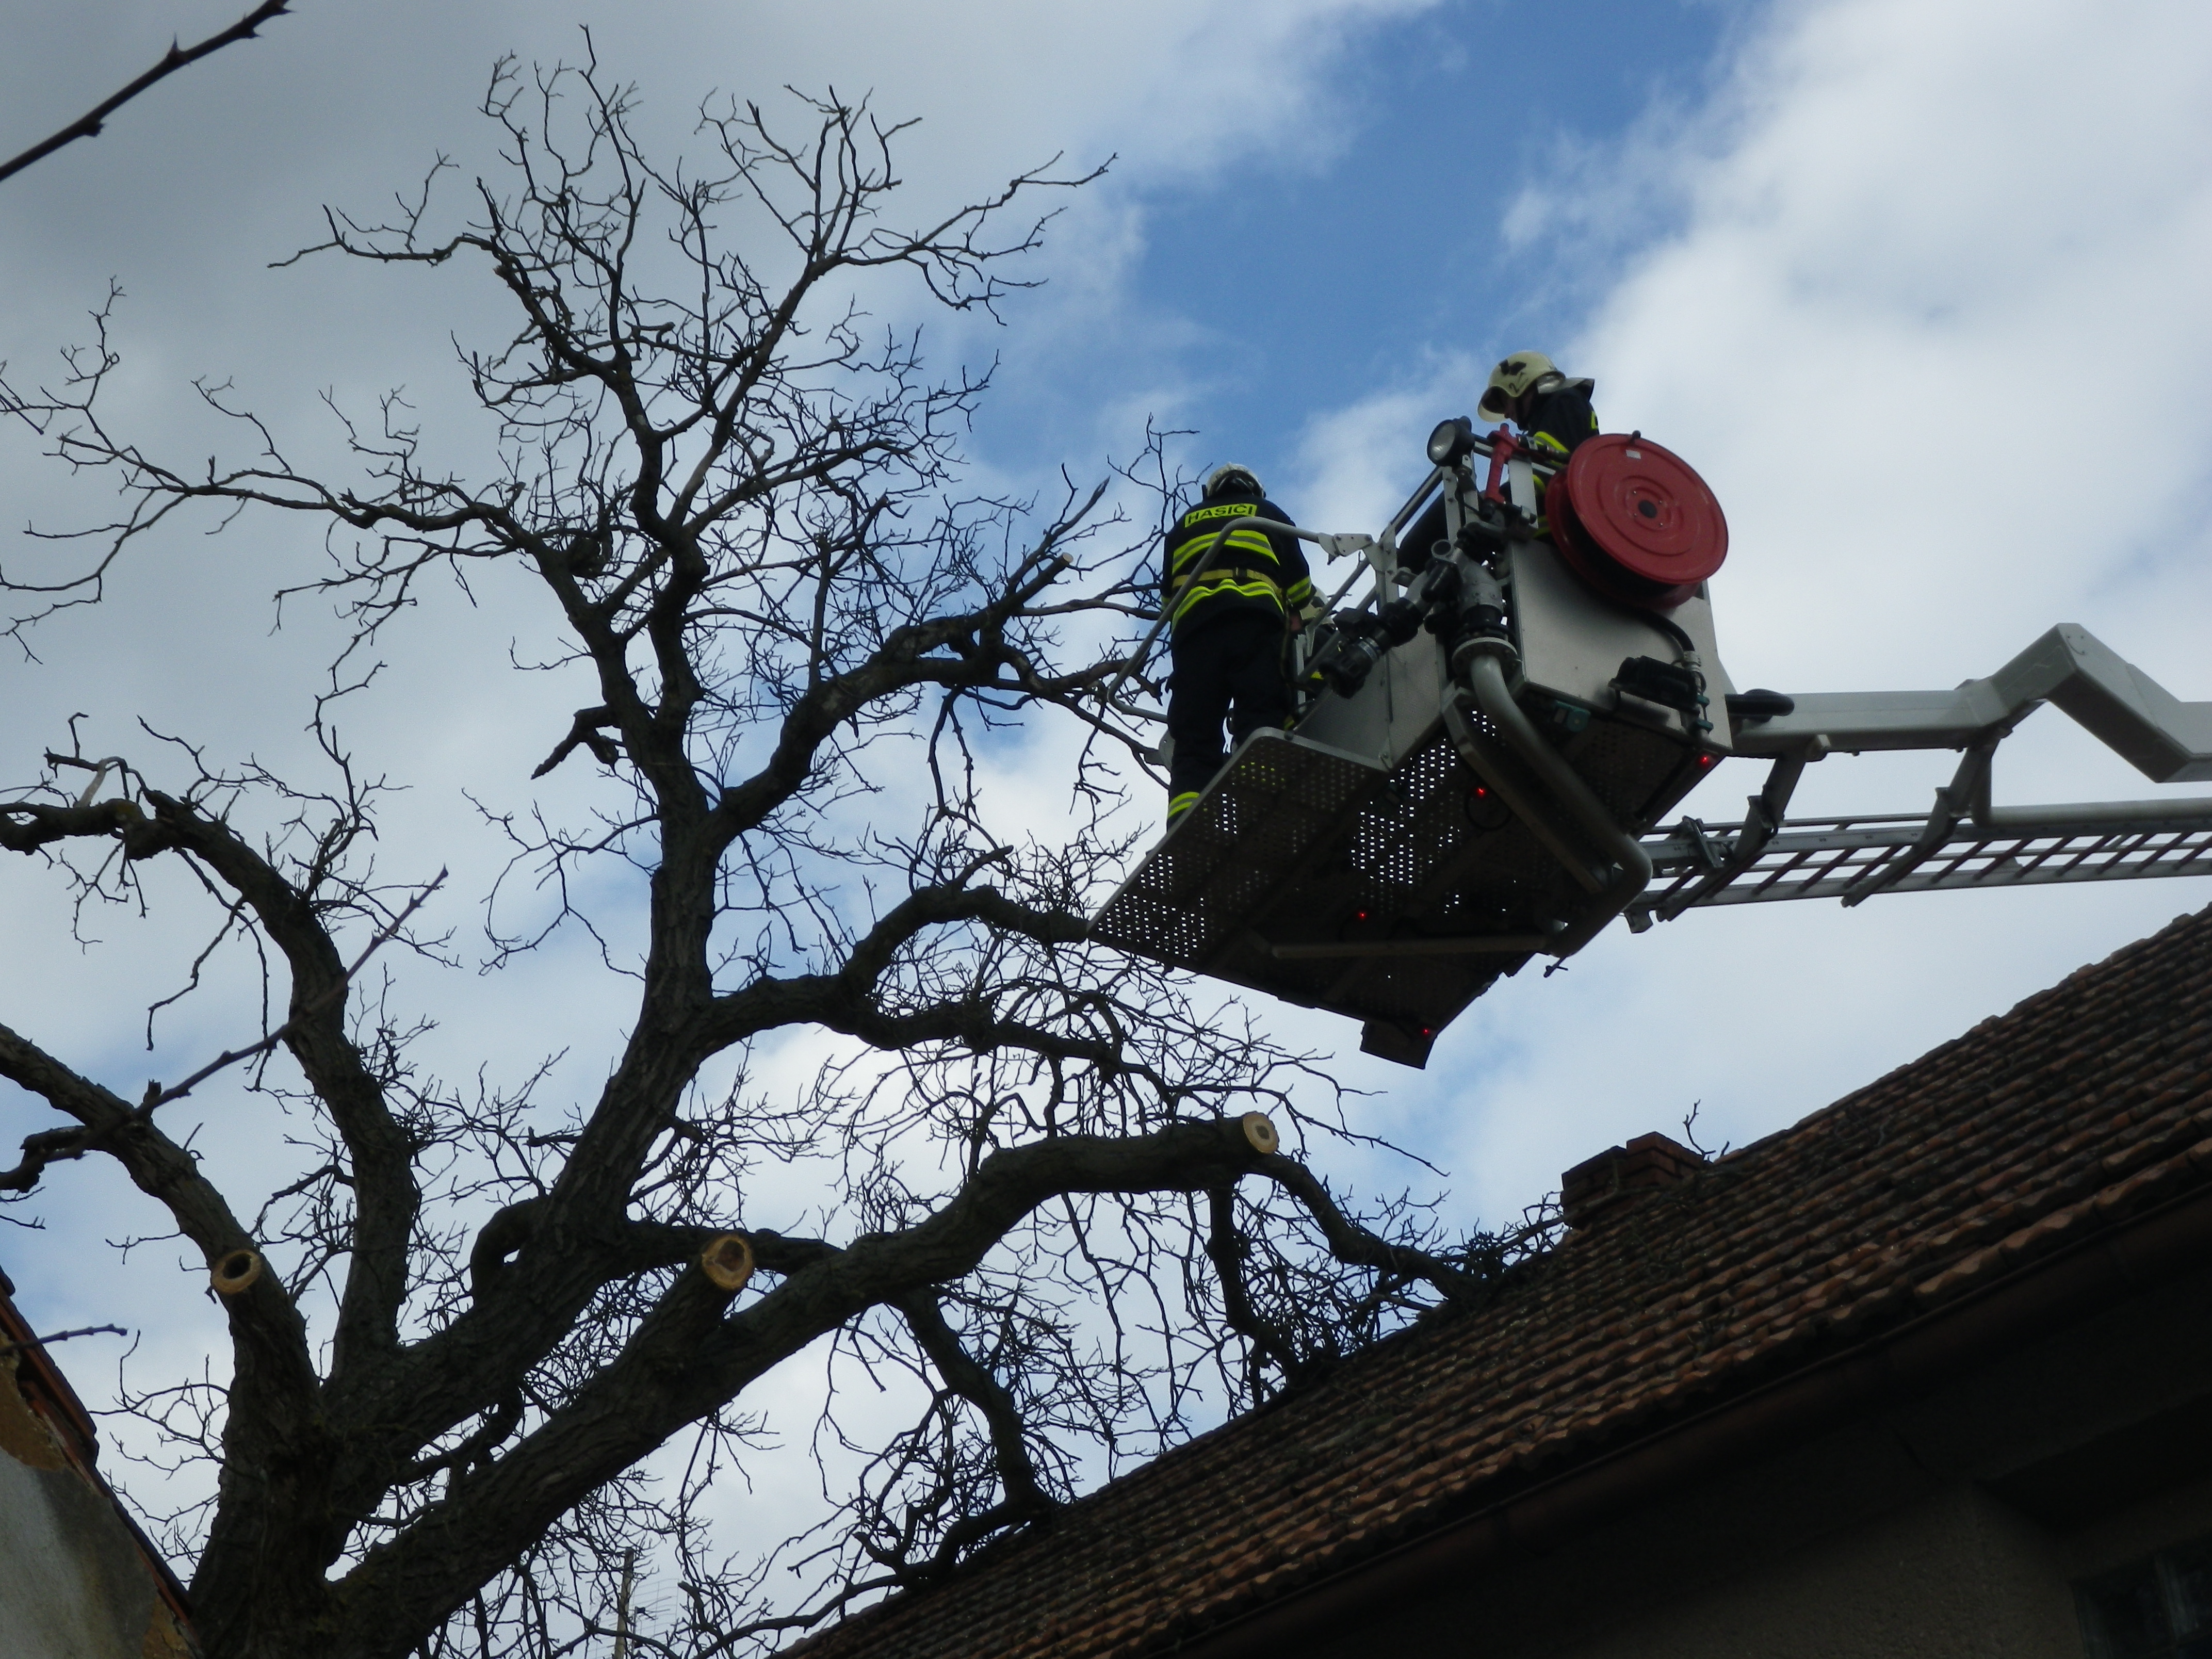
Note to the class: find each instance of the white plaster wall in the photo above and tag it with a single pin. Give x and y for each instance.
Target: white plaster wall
(72, 1585)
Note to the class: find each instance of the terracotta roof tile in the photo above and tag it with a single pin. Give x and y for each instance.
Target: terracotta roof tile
(2086, 1104)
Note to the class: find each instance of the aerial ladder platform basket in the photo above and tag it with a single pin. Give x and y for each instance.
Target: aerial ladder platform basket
(1497, 734)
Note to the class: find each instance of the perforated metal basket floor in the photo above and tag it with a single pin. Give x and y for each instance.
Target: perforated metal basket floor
(1301, 846)
(1245, 838)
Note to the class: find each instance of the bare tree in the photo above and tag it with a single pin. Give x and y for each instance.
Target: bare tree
(1066, 1207)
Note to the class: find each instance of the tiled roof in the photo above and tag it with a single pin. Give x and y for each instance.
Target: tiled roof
(2084, 1105)
(45, 1389)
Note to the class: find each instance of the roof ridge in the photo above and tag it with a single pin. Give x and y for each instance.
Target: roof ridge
(1981, 1029)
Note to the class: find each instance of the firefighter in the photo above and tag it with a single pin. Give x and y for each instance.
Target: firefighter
(1227, 626)
(1552, 410)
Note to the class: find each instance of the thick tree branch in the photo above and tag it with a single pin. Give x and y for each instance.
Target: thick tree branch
(106, 1123)
(1225, 1246)
(276, 1426)
(686, 1359)
(47, 1147)
(385, 1191)
(587, 732)
(27, 826)
(968, 1378)
(1351, 1243)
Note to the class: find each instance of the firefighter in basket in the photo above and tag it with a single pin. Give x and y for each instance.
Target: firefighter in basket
(1234, 593)
(1553, 412)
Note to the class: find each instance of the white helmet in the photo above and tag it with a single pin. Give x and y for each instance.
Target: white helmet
(1524, 371)
(1225, 477)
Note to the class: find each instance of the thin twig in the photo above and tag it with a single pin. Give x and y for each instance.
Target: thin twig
(7, 1348)
(157, 1097)
(88, 126)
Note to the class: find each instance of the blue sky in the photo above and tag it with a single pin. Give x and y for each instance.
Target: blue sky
(1335, 266)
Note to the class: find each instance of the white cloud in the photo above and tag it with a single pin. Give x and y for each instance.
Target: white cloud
(1937, 331)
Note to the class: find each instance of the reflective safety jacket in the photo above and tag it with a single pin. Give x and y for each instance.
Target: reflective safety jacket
(1249, 570)
(1561, 419)
(1556, 427)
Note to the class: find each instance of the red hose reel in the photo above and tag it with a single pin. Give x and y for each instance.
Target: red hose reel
(1636, 522)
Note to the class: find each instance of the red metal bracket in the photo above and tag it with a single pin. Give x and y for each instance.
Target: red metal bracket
(1503, 446)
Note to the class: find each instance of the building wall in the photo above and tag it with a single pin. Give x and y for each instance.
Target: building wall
(2138, 1530)
(1958, 1576)
(1961, 1573)
(73, 1584)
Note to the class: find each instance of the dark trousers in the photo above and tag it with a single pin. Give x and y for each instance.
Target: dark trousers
(1226, 668)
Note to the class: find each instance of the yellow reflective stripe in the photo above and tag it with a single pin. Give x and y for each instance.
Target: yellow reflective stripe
(1251, 544)
(1255, 587)
(1299, 592)
(1187, 555)
(1545, 440)
(1182, 803)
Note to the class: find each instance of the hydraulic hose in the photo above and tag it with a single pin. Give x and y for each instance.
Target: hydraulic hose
(1632, 864)
(1672, 629)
